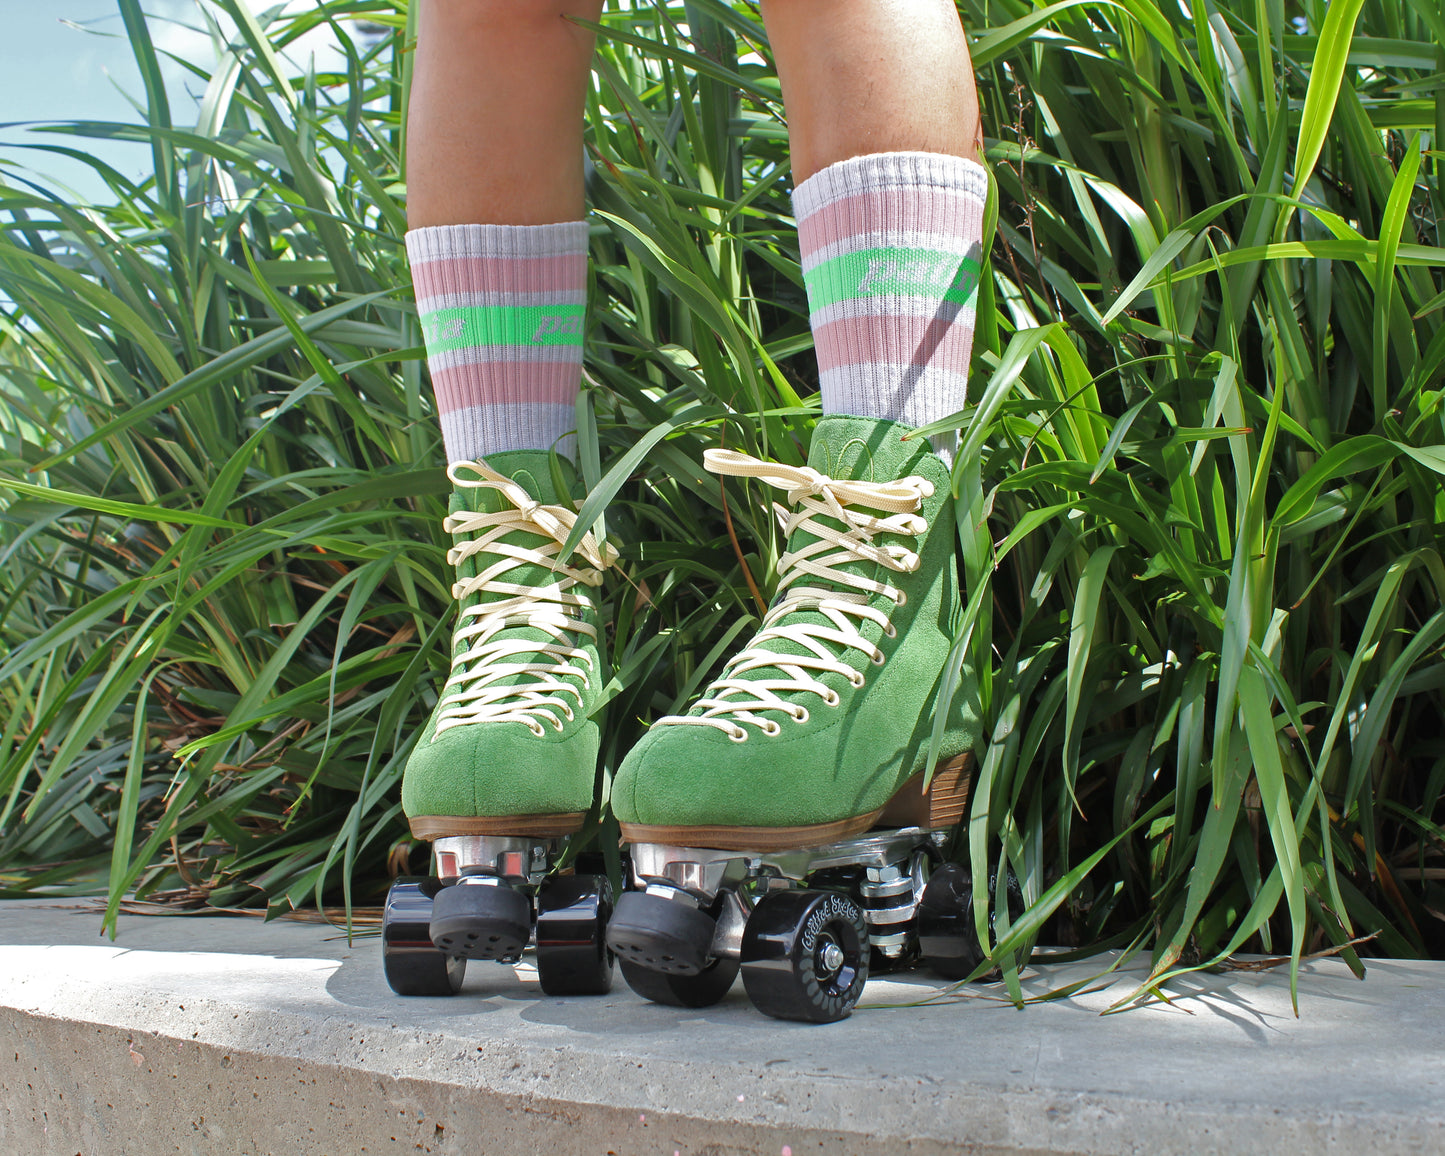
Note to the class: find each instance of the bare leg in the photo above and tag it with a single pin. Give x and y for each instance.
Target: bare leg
(872, 76)
(496, 112)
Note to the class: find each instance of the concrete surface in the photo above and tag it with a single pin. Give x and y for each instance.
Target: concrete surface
(226, 1035)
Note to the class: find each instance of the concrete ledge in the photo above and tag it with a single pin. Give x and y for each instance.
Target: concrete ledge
(217, 1035)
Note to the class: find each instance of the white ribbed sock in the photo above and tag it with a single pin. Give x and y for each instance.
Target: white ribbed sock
(502, 310)
(892, 250)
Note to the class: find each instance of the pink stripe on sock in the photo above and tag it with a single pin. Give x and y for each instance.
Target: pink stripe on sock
(905, 210)
(894, 340)
(565, 274)
(498, 382)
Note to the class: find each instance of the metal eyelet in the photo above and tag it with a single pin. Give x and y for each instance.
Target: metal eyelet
(832, 698)
(900, 598)
(856, 680)
(890, 631)
(878, 659)
(771, 728)
(738, 736)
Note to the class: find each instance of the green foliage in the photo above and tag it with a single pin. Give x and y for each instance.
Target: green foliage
(1200, 493)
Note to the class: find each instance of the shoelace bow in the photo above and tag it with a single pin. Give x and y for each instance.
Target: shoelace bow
(734, 701)
(558, 669)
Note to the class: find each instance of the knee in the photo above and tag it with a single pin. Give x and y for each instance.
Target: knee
(505, 17)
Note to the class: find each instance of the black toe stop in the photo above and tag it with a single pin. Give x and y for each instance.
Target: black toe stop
(481, 921)
(661, 934)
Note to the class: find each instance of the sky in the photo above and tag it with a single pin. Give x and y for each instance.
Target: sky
(70, 60)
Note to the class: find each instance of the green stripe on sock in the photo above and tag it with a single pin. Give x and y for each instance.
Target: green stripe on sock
(468, 326)
(913, 272)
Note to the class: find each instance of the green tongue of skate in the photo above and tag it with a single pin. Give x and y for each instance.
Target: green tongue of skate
(532, 470)
(861, 450)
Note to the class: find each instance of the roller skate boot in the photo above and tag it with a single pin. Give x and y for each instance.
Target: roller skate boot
(504, 770)
(782, 826)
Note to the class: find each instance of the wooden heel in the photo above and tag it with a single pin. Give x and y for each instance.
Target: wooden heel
(941, 806)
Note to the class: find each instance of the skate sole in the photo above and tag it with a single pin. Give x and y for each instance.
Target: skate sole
(941, 806)
(433, 827)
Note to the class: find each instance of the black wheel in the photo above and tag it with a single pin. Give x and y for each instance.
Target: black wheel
(481, 921)
(661, 934)
(805, 955)
(946, 932)
(572, 954)
(412, 964)
(701, 990)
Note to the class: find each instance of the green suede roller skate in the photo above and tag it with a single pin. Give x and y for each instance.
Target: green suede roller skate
(504, 770)
(781, 825)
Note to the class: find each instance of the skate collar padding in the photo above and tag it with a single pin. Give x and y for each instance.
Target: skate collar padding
(831, 525)
(484, 685)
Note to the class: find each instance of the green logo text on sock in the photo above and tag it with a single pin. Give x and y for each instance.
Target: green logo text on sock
(907, 272)
(448, 329)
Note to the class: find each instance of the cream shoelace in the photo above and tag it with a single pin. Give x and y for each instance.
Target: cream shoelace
(844, 603)
(558, 669)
